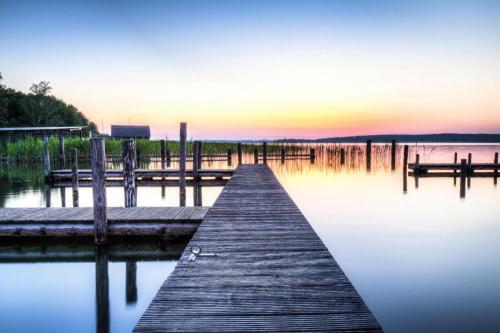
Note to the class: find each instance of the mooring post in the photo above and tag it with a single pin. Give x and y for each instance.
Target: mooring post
(61, 152)
(62, 190)
(200, 156)
(469, 169)
(196, 163)
(197, 193)
(46, 159)
(282, 152)
(162, 154)
(168, 157)
(101, 289)
(131, 282)
(312, 155)
(342, 156)
(129, 167)
(416, 170)
(240, 154)
(229, 157)
(393, 155)
(74, 175)
(495, 170)
(98, 165)
(256, 156)
(463, 172)
(368, 155)
(455, 161)
(264, 152)
(182, 164)
(405, 168)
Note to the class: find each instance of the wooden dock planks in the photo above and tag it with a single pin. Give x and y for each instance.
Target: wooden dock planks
(272, 273)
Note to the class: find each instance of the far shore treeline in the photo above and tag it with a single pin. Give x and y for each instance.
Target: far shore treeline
(38, 108)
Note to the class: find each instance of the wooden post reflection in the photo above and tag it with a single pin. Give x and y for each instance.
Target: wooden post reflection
(102, 289)
(131, 282)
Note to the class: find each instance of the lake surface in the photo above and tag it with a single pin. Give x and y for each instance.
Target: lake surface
(423, 260)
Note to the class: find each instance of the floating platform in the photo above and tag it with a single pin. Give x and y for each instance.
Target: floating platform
(262, 267)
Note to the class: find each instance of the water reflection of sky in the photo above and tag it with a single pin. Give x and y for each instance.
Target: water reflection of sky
(426, 260)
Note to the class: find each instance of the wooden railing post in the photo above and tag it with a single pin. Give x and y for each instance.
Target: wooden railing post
(463, 172)
(182, 164)
(368, 155)
(74, 175)
(393, 155)
(264, 152)
(46, 158)
(240, 154)
(129, 166)
(98, 165)
(229, 157)
(61, 153)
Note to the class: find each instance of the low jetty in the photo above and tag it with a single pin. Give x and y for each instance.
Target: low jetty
(256, 264)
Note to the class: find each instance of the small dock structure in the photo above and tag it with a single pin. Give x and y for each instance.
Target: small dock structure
(256, 264)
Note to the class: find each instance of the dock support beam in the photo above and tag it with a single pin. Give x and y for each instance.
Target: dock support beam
(240, 154)
(46, 159)
(182, 164)
(368, 155)
(98, 165)
(129, 167)
(74, 176)
(393, 155)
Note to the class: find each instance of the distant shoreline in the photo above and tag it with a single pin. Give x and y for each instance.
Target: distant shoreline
(410, 138)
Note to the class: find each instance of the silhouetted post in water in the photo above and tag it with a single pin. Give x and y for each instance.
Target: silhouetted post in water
(342, 156)
(61, 152)
(463, 172)
(312, 155)
(197, 193)
(240, 154)
(74, 175)
(200, 146)
(256, 156)
(405, 168)
(101, 289)
(264, 152)
(495, 172)
(162, 156)
(182, 164)
(46, 158)
(393, 155)
(416, 170)
(131, 282)
(167, 155)
(469, 169)
(98, 166)
(229, 157)
(455, 161)
(196, 162)
(368, 155)
(129, 173)
(282, 155)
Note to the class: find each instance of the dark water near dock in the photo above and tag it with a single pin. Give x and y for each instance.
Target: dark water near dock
(425, 260)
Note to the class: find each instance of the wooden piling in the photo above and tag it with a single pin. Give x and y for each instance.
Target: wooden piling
(98, 166)
(393, 155)
(182, 164)
(162, 154)
(197, 199)
(63, 196)
(368, 155)
(455, 161)
(312, 155)
(169, 159)
(463, 173)
(264, 152)
(342, 156)
(131, 282)
(229, 157)
(495, 172)
(74, 176)
(46, 158)
(416, 171)
(101, 289)
(129, 166)
(282, 155)
(195, 159)
(200, 156)
(255, 156)
(61, 153)
(405, 168)
(469, 169)
(240, 154)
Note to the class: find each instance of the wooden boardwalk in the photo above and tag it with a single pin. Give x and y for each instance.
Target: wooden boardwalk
(79, 221)
(272, 273)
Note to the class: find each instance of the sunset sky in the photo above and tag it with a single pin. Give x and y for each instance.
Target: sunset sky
(263, 69)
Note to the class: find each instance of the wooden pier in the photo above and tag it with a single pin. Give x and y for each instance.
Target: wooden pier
(262, 267)
(450, 169)
(79, 221)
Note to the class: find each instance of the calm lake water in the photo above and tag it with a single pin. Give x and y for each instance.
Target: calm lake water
(424, 260)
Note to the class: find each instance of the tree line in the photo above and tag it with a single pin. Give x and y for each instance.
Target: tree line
(38, 108)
